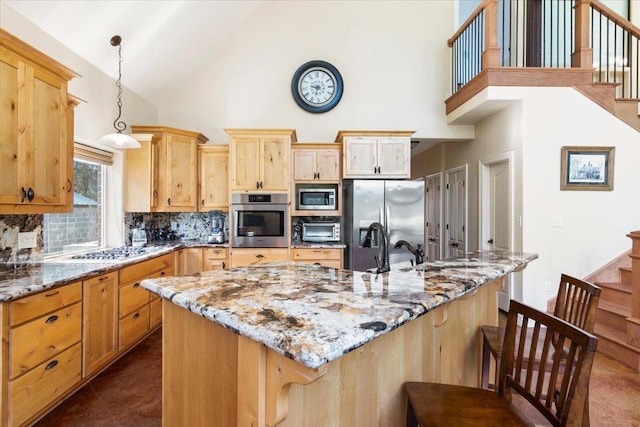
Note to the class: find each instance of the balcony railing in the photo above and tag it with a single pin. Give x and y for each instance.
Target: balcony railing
(551, 34)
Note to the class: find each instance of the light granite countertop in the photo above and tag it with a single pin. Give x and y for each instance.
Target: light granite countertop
(315, 314)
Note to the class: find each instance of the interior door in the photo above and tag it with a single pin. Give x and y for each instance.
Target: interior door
(500, 220)
(432, 216)
(456, 205)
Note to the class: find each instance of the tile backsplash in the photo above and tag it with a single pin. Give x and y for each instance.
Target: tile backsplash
(10, 226)
(174, 225)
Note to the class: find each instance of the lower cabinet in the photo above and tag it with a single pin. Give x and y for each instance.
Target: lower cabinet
(242, 257)
(100, 319)
(134, 308)
(326, 257)
(42, 370)
(196, 260)
(214, 259)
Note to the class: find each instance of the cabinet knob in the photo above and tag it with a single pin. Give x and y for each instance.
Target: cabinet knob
(70, 186)
(51, 319)
(169, 201)
(23, 194)
(257, 184)
(202, 203)
(30, 194)
(51, 365)
(135, 316)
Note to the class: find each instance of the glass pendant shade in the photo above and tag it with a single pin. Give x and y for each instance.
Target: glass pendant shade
(119, 140)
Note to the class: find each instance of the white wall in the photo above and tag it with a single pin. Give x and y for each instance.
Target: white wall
(392, 56)
(94, 117)
(536, 128)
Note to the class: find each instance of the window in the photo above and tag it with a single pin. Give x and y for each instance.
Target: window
(84, 227)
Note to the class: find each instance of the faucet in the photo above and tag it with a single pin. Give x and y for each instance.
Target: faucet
(417, 251)
(382, 260)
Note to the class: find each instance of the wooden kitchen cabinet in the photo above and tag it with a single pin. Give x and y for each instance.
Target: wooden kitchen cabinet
(213, 181)
(376, 154)
(137, 307)
(161, 176)
(37, 131)
(259, 159)
(241, 257)
(100, 319)
(189, 261)
(42, 370)
(316, 162)
(214, 259)
(327, 257)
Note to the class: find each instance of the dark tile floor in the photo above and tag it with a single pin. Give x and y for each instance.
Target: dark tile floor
(129, 393)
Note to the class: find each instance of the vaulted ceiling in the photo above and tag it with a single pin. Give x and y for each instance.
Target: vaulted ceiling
(162, 41)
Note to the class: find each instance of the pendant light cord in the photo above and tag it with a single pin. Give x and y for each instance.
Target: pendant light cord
(118, 124)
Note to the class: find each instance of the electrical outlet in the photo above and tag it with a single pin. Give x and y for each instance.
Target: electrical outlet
(27, 240)
(557, 221)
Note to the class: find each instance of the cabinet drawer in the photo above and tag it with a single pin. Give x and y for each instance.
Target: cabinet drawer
(143, 269)
(134, 326)
(162, 273)
(44, 302)
(42, 338)
(132, 296)
(44, 384)
(316, 253)
(245, 257)
(215, 253)
(155, 312)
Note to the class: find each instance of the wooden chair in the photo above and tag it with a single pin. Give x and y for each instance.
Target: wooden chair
(576, 303)
(559, 394)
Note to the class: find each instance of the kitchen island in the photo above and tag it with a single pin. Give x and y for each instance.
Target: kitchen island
(296, 344)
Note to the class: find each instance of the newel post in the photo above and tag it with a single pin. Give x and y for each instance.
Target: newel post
(582, 57)
(491, 54)
(633, 322)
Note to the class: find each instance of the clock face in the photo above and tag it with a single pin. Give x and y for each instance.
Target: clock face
(317, 86)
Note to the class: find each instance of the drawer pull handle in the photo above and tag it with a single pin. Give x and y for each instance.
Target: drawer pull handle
(136, 285)
(135, 316)
(52, 294)
(259, 256)
(162, 273)
(223, 265)
(51, 365)
(103, 278)
(51, 319)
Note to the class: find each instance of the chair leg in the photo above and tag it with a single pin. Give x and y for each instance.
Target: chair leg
(486, 362)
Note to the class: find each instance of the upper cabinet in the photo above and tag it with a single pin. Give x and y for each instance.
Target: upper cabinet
(213, 179)
(316, 162)
(259, 159)
(36, 136)
(376, 154)
(161, 176)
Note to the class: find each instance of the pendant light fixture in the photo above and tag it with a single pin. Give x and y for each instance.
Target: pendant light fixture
(119, 139)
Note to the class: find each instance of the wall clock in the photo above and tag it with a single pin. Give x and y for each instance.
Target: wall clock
(317, 86)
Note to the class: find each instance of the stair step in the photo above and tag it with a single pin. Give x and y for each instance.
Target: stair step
(612, 343)
(612, 315)
(615, 292)
(625, 275)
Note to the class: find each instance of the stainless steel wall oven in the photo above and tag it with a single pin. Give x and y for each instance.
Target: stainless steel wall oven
(259, 220)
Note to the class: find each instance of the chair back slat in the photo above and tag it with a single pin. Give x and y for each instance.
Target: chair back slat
(554, 382)
(577, 302)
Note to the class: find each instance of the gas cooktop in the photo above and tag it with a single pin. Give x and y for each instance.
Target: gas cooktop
(120, 253)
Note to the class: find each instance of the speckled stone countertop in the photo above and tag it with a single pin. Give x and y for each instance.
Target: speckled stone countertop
(315, 314)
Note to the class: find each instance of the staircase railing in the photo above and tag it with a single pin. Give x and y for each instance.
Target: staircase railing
(548, 33)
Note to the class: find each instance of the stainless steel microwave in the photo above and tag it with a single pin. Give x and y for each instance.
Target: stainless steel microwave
(314, 197)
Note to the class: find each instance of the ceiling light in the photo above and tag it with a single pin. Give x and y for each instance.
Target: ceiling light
(119, 139)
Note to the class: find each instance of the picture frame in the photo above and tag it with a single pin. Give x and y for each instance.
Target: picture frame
(587, 168)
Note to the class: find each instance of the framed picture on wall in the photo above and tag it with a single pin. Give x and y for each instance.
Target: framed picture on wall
(587, 168)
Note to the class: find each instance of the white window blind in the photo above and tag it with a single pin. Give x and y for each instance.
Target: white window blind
(91, 154)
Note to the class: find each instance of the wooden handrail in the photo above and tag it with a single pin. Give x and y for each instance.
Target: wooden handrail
(615, 17)
(468, 22)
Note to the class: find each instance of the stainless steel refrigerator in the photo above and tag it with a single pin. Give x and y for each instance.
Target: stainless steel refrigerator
(398, 205)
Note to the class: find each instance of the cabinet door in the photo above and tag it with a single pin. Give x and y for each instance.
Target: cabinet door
(304, 164)
(47, 149)
(181, 164)
(214, 259)
(328, 165)
(246, 163)
(275, 164)
(11, 179)
(100, 319)
(360, 157)
(394, 157)
(214, 178)
(190, 261)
